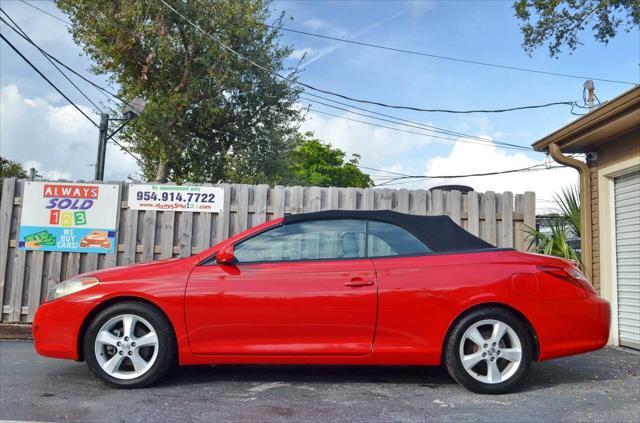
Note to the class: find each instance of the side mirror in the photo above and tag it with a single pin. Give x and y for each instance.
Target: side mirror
(225, 255)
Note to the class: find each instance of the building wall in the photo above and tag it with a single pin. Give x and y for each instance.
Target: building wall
(610, 153)
(595, 230)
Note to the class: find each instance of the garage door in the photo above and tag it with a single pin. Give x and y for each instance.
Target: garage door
(627, 209)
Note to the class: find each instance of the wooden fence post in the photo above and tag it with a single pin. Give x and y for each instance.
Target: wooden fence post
(506, 233)
(473, 213)
(490, 232)
(6, 210)
(529, 207)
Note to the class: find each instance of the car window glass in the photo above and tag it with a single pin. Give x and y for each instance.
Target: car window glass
(323, 239)
(385, 239)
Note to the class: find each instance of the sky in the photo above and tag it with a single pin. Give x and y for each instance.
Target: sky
(40, 129)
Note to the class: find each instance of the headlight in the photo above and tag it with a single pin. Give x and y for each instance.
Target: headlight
(70, 286)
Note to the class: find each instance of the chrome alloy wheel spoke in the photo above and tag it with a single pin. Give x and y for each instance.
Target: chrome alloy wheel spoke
(120, 352)
(490, 351)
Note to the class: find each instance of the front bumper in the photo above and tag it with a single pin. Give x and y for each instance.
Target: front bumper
(57, 326)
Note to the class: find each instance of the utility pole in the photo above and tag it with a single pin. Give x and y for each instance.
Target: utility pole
(131, 111)
(102, 146)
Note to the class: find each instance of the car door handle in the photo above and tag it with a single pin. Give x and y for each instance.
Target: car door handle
(355, 282)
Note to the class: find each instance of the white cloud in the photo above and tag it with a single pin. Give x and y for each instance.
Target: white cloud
(397, 152)
(371, 143)
(46, 174)
(56, 140)
(472, 158)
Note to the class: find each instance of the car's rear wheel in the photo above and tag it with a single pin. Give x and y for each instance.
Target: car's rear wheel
(130, 345)
(489, 351)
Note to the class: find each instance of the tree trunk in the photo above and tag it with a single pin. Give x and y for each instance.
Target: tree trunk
(162, 173)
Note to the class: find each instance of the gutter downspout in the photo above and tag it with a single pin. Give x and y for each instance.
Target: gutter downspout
(585, 205)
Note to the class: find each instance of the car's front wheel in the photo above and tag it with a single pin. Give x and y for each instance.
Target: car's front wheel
(130, 345)
(489, 351)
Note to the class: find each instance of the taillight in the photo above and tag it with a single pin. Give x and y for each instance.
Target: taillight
(571, 274)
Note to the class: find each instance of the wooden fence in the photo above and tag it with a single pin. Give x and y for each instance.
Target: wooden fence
(149, 235)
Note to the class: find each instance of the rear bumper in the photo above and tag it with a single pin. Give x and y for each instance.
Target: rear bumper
(56, 328)
(577, 327)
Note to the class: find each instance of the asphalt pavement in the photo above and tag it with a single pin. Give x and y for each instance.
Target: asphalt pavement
(599, 386)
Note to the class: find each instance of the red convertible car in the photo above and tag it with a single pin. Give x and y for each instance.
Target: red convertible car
(332, 287)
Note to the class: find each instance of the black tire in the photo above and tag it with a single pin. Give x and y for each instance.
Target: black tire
(453, 360)
(165, 359)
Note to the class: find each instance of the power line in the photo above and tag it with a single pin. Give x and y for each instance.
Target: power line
(242, 57)
(419, 126)
(455, 59)
(402, 176)
(420, 109)
(384, 120)
(539, 166)
(103, 90)
(413, 52)
(68, 24)
(429, 127)
(381, 170)
(46, 57)
(414, 178)
(396, 176)
(51, 14)
(126, 150)
(311, 87)
(486, 143)
(49, 57)
(482, 141)
(47, 79)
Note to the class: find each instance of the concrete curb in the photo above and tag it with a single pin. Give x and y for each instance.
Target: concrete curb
(15, 331)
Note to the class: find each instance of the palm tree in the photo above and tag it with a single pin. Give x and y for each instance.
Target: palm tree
(563, 226)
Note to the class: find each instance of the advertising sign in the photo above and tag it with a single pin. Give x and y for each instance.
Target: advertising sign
(72, 217)
(176, 198)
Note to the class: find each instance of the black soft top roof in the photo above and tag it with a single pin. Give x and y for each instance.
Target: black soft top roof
(439, 233)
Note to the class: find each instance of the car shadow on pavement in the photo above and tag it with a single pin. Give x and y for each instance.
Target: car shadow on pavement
(565, 371)
(295, 374)
(602, 365)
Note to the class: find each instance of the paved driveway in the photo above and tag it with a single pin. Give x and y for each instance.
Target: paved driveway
(600, 386)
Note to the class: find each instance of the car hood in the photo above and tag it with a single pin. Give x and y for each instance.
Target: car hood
(145, 270)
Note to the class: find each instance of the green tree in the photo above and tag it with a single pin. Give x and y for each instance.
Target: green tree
(210, 116)
(316, 163)
(559, 22)
(11, 169)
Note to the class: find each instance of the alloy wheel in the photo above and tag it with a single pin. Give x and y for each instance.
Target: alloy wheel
(126, 346)
(490, 351)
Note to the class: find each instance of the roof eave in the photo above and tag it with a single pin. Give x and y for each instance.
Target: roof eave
(618, 116)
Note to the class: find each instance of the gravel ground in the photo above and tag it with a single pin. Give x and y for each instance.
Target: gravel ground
(599, 386)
